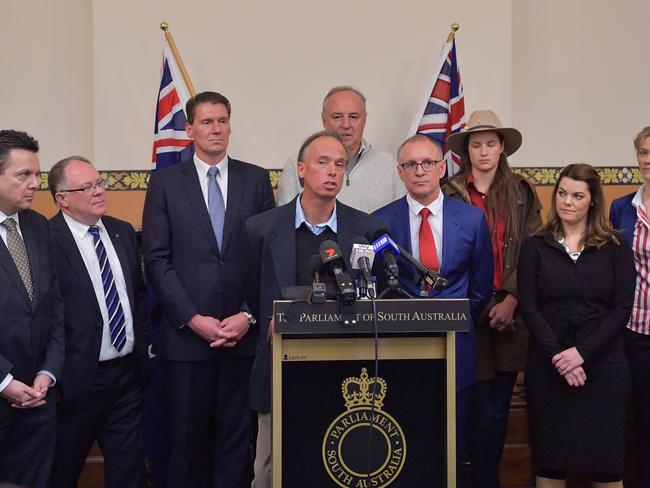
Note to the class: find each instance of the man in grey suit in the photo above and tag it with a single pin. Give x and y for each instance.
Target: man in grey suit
(31, 320)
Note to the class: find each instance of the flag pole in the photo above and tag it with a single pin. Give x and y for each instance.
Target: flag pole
(454, 29)
(164, 26)
(441, 61)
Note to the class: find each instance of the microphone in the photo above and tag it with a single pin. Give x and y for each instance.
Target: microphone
(431, 278)
(318, 288)
(330, 254)
(385, 245)
(362, 257)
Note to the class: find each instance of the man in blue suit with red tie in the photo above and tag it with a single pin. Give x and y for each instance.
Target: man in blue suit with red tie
(448, 236)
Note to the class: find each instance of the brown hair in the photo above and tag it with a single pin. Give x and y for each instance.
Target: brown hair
(212, 98)
(504, 194)
(598, 231)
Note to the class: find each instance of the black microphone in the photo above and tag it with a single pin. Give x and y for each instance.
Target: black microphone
(330, 254)
(362, 257)
(431, 277)
(318, 288)
(384, 247)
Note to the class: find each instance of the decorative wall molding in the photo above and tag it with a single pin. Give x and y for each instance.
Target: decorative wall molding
(137, 180)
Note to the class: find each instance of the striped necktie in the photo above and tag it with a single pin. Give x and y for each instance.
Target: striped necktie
(116, 322)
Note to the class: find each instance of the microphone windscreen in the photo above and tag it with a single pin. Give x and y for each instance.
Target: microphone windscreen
(315, 265)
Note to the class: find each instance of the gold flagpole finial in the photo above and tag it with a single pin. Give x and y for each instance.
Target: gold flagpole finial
(164, 26)
(454, 29)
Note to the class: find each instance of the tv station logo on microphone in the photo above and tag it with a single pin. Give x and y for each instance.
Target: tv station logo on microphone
(360, 429)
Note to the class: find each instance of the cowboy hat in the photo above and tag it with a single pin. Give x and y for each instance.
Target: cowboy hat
(485, 121)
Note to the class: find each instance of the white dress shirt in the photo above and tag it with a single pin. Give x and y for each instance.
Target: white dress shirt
(86, 247)
(222, 179)
(435, 221)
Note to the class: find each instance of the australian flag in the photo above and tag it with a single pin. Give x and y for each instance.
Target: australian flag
(170, 142)
(442, 111)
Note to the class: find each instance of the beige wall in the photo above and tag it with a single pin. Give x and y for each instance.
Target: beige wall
(580, 79)
(82, 75)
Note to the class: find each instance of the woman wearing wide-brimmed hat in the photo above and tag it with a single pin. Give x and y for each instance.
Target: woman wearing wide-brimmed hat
(512, 209)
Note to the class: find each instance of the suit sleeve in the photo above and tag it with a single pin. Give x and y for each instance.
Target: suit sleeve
(289, 185)
(529, 300)
(481, 273)
(253, 264)
(157, 236)
(55, 352)
(141, 317)
(620, 306)
(268, 200)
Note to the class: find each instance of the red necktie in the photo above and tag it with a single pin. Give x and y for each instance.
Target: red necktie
(428, 255)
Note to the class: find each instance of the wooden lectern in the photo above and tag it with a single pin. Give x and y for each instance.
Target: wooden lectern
(337, 424)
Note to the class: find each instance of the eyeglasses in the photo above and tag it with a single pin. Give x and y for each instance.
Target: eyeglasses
(427, 165)
(103, 184)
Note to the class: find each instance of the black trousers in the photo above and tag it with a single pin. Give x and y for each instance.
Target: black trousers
(638, 350)
(27, 442)
(112, 416)
(209, 423)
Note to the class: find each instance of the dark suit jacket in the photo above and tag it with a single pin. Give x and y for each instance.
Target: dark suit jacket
(273, 240)
(623, 216)
(83, 318)
(188, 272)
(31, 334)
(467, 264)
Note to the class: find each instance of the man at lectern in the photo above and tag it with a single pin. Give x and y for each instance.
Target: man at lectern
(449, 237)
(283, 241)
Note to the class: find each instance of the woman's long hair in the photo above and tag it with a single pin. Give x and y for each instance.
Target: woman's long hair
(504, 195)
(598, 231)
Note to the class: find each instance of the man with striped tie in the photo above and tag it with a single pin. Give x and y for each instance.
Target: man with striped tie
(105, 359)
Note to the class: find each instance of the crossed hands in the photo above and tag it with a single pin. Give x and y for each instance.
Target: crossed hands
(568, 364)
(502, 314)
(220, 333)
(20, 395)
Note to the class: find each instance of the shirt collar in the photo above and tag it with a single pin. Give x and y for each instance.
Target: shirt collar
(4, 216)
(637, 201)
(300, 219)
(78, 229)
(470, 181)
(416, 207)
(202, 167)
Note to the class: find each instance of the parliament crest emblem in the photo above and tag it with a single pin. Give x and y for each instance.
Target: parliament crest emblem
(364, 446)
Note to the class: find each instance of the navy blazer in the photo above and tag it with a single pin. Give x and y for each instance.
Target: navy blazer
(83, 319)
(187, 270)
(623, 216)
(273, 240)
(31, 333)
(467, 264)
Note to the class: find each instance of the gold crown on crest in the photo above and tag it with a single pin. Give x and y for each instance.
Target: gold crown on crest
(358, 391)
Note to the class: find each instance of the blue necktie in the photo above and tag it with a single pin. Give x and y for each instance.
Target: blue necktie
(116, 322)
(215, 204)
